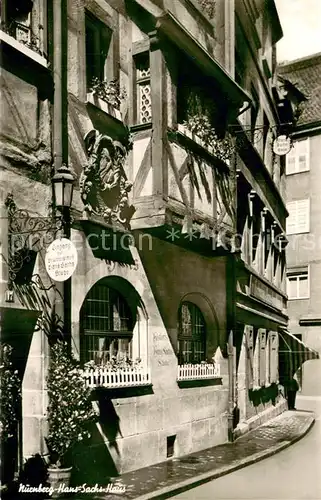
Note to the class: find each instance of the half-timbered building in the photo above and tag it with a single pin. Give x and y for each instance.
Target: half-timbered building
(165, 113)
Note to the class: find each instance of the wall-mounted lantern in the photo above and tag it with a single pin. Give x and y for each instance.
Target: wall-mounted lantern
(63, 185)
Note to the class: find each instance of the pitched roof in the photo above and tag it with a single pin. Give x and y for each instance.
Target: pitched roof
(305, 74)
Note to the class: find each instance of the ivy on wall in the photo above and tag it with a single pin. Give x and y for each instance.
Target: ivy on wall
(10, 392)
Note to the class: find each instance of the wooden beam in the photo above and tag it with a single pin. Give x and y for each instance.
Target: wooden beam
(159, 116)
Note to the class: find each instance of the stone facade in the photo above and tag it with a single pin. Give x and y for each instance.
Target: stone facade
(304, 247)
(157, 219)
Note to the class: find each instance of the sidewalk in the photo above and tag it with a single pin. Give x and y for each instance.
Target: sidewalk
(174, 476)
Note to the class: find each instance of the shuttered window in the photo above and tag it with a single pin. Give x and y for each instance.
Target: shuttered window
(274, 346)
(298, 159)
(262, 356)
(299, 217)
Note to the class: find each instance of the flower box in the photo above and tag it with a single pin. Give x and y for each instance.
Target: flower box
(121, 377)
(198, 371)
(104, 106)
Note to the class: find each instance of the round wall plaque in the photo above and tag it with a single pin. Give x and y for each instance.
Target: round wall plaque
(61, 259)
(282, 145)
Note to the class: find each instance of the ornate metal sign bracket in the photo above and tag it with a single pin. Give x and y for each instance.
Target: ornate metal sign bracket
(26, 236)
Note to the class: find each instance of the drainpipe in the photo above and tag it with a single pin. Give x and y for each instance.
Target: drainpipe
(60, 135)
(230, 417)
(57, 78)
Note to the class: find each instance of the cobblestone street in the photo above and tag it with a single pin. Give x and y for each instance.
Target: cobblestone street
(162, 480)
(292, 474)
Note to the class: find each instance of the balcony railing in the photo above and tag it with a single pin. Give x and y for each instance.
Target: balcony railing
(122, 377)
(198, 372)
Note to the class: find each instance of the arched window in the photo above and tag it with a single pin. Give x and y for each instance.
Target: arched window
(107, 325)
(191, 334)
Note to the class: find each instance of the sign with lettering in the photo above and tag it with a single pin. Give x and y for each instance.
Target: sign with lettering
(282, 145)
(263, 292)
(61, 259)
(162, 350)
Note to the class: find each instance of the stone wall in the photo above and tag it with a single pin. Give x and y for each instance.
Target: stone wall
(138, 423)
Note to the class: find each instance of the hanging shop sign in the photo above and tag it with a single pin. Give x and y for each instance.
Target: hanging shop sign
(282, 145)
(61, 259)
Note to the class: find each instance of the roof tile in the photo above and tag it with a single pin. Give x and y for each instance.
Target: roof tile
(305, 74)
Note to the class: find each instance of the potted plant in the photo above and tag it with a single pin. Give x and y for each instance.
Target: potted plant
(70, 413)
(110, 92)
(199, 124)
(10, 396)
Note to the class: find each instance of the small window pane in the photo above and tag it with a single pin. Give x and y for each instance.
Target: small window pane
(107, 325)
(298, 284)
(191, 335)
(298, 220)
(292, 288)
(302, 163)
(303, 286)
(297, 160)
(290, 165)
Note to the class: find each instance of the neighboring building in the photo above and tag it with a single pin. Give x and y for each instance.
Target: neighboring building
(303, 180)
(260, 301)
(179, 230)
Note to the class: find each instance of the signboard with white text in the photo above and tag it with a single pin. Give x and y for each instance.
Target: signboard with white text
(282, 145)
(61, 259)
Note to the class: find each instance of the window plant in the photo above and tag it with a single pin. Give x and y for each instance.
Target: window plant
(199, 113)
(70, 411)
(109, 91)
(116, 363)
(10, 392)
(10, 396)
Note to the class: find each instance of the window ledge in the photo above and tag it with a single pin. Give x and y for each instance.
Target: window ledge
(198, 372)
(301, 232)
(298, 298)
(192, 142)
(141, 126)
(107, 108)
(313, 321)
(9, 40)
(297, 172)
(103, 377)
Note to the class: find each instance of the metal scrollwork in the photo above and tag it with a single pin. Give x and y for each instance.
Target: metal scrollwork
(25, 236)
(246, 135)
(103, 184)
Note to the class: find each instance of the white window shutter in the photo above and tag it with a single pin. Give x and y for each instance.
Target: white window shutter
(303, 216)
(274, 352)
(291, 220)
(262, 356)
(299, 217)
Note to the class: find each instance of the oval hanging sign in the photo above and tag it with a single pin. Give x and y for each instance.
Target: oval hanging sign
(282, 145)
(61, 259)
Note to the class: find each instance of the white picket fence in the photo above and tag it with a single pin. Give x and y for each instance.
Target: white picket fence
(198, 372)
(102, 377)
